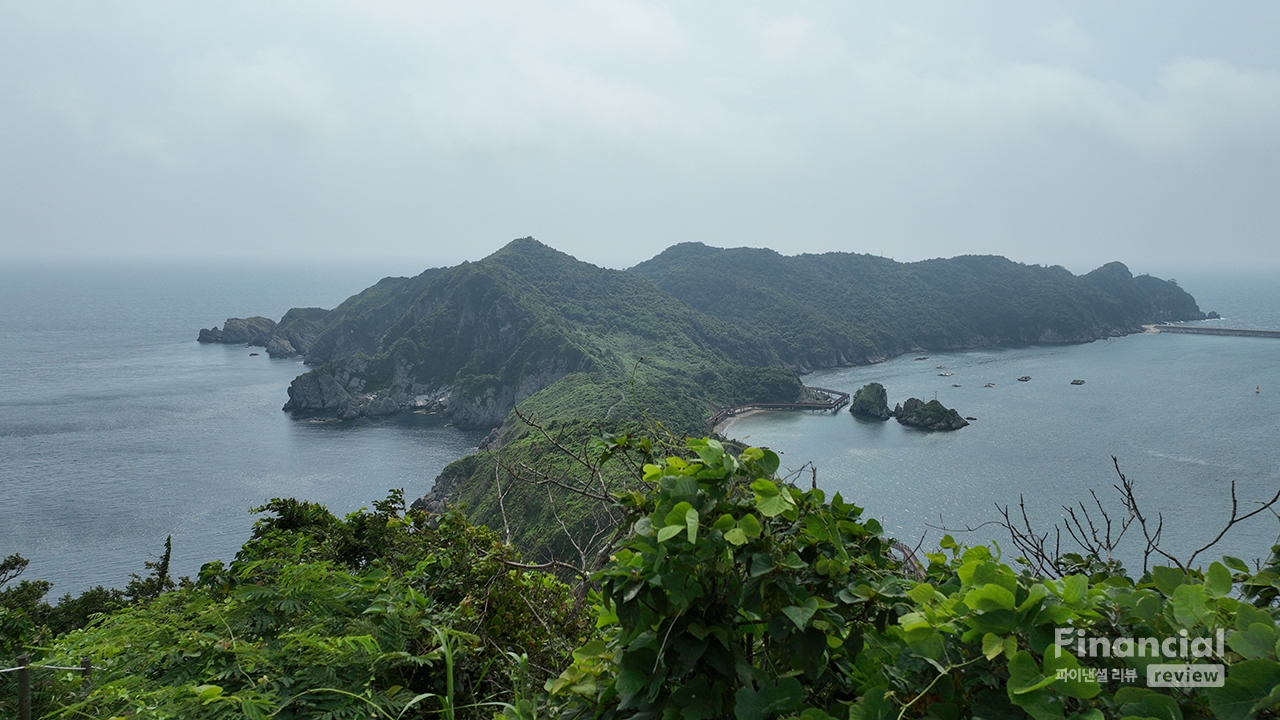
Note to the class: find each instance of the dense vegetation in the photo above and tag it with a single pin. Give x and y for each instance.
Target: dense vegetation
(531, 323)
(843, 308)
(586, 351)
(730, 593)
(666, 578)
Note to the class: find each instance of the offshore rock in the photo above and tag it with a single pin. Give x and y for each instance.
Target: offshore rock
(931, 415)
(871, 401)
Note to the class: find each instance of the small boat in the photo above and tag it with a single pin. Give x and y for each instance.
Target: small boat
(989, 385)
(1024, 378)
(254, 354)
(940, 367)
(954, 385)
(923, 357)
(970, 417)
(946, 374)
(1077, 382)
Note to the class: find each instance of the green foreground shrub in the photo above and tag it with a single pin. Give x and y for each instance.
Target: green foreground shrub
(735, 594)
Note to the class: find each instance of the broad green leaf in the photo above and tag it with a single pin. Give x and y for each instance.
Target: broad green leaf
(686, 486)
(1247, 683)
(1235, 563)
(1077, 688)
(792, 561)
(801, 614)
(772, 505)
(761, 564)
(988, 598)
(750, 525)
(1247, 615)
(922, 593)
(691, 522)
(669, 532)
(1144, 703)
(1027, 688)
(764, 487)
(207, 693)
(1189, 607)
(992, 646)
(1074, 589)
(1025, 675)
(1035, 594)
(1217, 581)
(770, 462)
(1257, 641)
(1167, 579)
(736, 537)
(677, 514)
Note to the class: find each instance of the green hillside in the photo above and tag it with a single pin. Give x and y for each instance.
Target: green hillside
(474, 340)
(836, 309)
(585, 351)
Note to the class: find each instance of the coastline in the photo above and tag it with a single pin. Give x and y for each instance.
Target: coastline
(723, 426)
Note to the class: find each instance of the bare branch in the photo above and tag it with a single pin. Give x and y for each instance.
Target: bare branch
(506, 528)
(1235, 519)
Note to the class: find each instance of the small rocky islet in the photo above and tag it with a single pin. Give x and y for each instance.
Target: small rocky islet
(872, 401)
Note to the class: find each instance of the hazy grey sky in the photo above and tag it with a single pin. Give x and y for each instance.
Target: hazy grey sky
(1051, 133)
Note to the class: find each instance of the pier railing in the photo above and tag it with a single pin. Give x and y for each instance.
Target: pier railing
(24, 668)
(832, 400)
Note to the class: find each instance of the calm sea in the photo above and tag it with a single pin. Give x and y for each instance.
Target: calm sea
(1179, 412)
(117, 428)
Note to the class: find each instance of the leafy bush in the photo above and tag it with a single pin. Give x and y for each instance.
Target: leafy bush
(738, 595)
(383, 614)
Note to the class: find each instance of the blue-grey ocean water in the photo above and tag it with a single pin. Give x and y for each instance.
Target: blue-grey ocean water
(1180, 412)
(117, 428)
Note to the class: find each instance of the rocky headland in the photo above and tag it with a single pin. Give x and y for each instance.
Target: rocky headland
(293, 335)
(255, 331)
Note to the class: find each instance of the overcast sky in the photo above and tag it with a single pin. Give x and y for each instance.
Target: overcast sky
(1069, 134)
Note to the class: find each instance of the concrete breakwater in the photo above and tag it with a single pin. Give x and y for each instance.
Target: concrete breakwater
(1201, 330)
(827, 400)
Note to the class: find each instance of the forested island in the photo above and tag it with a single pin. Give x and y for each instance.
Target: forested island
(586, 350)
(714, 327)
(599, 558)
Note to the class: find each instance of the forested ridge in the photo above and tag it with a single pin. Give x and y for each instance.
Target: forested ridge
(843, 308)
(712, 326)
